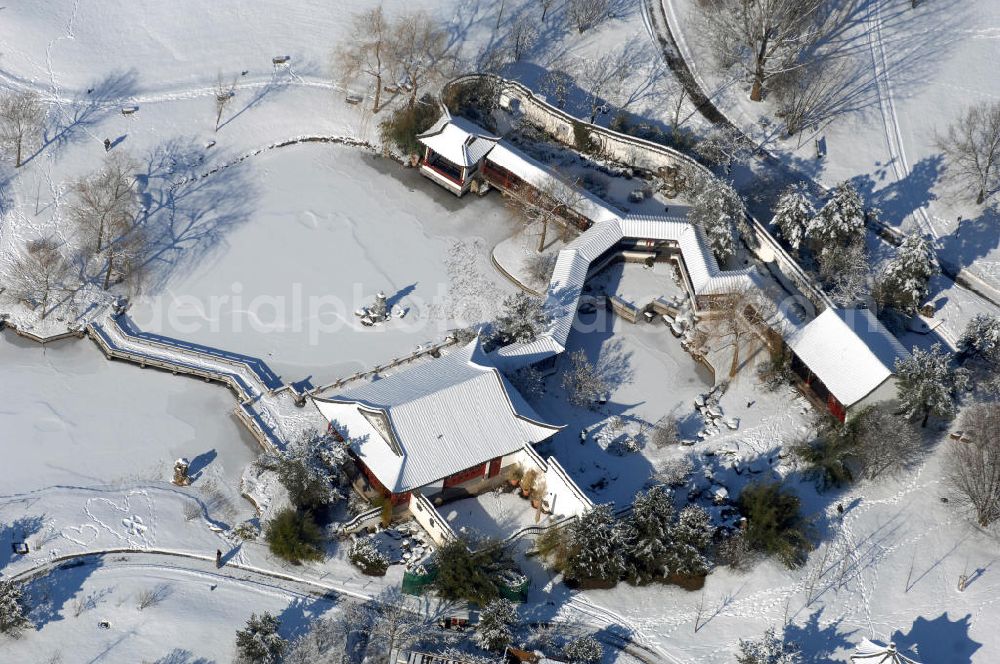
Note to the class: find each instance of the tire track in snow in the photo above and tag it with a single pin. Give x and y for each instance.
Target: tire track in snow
(890, 118)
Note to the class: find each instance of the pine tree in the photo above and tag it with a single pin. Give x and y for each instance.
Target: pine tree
(12, 608)
(311, 469)
(259, 642)
(839, 222)
(929, 384)
(904, 280)
(690, 537)
(584, 650)
(522, 320)
(495, 622)
(718, 210)
(651, 521)
(597, 545)
(981, 338)
(792, 214)
(768, 649)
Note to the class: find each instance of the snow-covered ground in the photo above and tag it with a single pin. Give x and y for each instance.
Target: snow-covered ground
(90, 443)
(194, 618)
(913, 71)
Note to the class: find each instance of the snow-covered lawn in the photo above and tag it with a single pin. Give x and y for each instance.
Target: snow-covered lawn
(328, 228)
(193, 620)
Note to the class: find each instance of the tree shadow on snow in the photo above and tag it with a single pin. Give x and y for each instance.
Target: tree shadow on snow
(189, 206)
(15, 532)
(70, 120)
(939, 640)
(48, 595)
(819, 642)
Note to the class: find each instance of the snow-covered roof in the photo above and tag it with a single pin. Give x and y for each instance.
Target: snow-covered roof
(849, 350)
(459, 141)
(873, 653)
(434, 419)
(573, 264)
(537, 175)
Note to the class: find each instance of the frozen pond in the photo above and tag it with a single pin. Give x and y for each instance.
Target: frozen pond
(70, 417)
(329, 227)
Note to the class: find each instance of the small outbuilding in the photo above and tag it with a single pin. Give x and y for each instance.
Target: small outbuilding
(847, 358)
(454, 149)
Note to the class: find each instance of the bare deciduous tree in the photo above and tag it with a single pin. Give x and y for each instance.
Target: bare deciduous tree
(553, 201)
(390, 622)
(603, 78)
(765, 37)
(368, 54)
(546, 6)
(41, 270)
(973, 468)
(21, 116)
(735, 316)
(522, 36)
(885, 442)
(418, 52)
(224, 93)
(104, 203)
(972, 148)
(665, 432)
(812, 94)
(584, 382)
(586, 14)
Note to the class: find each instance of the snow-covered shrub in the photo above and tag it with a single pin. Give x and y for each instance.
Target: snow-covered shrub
(522, 319)
(293, 536)
(675, 472)
(584, 650)
(596, 543)
(495, 622)
(904, 280)
(768, 649)
(666, 432)
(928, 384)
(259, 642)
(366, 556)
(792, 214)
(981, 339)
(839, 222)
(775, 525)
(664, 545)
(311, 469)
(13, 618)
(690, 538)
(735, 552)
(718, 209)
(246, 531)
